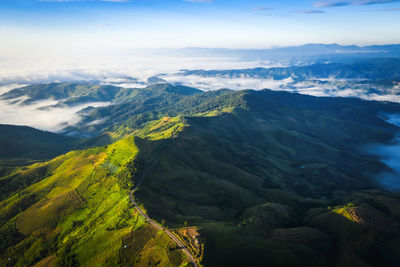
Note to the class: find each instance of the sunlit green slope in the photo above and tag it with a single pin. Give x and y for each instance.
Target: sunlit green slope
(80, 212)
(268, 178)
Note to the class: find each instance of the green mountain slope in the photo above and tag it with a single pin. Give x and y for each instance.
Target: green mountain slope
(150, 103)
(79, 213)
(265, 178)
(257, 182)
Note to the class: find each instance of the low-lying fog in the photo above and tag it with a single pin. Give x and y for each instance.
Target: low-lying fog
(51, 118)
(390, 155)
(128, 70)
(133, 69)
(108, 66)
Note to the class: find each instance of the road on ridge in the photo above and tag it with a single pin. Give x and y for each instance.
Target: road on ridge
(174, 238)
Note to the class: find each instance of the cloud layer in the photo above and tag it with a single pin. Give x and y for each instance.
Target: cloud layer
(50, 119)
(390, 156)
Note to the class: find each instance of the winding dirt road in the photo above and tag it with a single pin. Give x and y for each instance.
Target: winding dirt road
(174, 238)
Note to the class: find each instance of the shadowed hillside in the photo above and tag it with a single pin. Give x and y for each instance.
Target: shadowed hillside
(266, 178)
(30, 143)
(21, 145)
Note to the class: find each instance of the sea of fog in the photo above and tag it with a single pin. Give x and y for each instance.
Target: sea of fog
(112, 66)
(41, 114)
(132, 69)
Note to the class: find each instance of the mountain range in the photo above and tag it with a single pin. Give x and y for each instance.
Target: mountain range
(243, 178)
(371, 69)
(307, 53)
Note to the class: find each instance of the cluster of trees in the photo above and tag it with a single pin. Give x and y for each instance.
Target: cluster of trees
(129, 173)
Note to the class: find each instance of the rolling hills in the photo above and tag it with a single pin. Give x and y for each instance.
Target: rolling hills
(265, 177)
(66, 92)
(72, 94)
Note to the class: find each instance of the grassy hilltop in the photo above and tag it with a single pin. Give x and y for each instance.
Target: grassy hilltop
(267, 178)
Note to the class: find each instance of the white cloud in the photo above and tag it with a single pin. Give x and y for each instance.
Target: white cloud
(389, 154)
(215, 83)
(121, 69)
(392, 98)
(50, 119)
(109, 67)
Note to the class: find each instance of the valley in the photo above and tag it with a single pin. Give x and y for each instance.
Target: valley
(199, 133)
(266, 177)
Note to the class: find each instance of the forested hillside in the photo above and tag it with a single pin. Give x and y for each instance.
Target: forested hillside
(257, 177)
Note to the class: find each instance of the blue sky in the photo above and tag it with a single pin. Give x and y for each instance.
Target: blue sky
(125, 24)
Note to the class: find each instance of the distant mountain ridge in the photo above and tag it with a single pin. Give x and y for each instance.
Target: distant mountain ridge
(306, 53)
(380, 68)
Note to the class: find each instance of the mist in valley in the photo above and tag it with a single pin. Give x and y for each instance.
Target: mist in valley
(133, 68)
(389, 154)
(42, 114)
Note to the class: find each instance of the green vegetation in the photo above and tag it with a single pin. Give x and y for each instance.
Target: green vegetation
(22, 146)
(267, 178)
(79, 213)
(22, 143)
(165, 128)
(73, 93)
